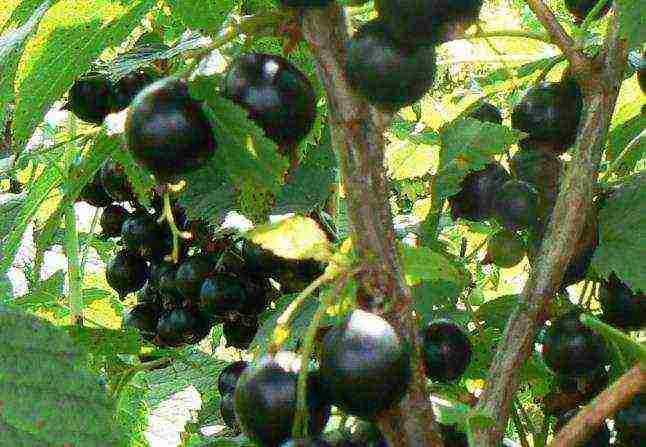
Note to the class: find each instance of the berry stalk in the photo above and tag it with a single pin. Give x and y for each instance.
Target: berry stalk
(74, 276)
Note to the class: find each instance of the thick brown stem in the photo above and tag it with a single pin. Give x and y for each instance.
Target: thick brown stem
(581, 427)
(568, 220)
(357, 134)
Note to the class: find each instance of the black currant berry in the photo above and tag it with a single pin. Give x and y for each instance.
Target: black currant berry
(181, 326)
(126, 273)
(600, 438)
(641, 74)
(487, 113)
(550, 113)
(505, 249)
(239, 334)
(190, 276)
(305, 3)
(630, 423)
(221, 294)
(148, 294)
(278, 97)
(452, 437)
(390, 76)
(142, 234)
(115, 182)
(265, 399)
(91, 98)
(420, 21)
(228, 378)
(447, 350)
(364, 365)
(571, 349)
(475, 201)
(126, 88)
(306, 443)
(540, 168)
(167, 131)
(621, 306)
(94, 194)
(581, 8)
(294, 276)
(517, 205)
(143, 318)
(587, 386)
(162, 277)
(227, 412)
(112, 219)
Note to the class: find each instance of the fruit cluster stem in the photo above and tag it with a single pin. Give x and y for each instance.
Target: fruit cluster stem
(74, 274)
(357, 135)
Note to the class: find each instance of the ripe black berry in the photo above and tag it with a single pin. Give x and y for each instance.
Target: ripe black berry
(190, 276)
(181, 326)
(505, 249)
(421, 21)
(364, 365)
(571, 349)
(641, 74)
(630, 422)
(112, 219)
(517, 205)
(265, 400)
(228, 378)
(162, 277)
(126, 273)
(601, 438)
(94, 194)
(239, 334)
(167, 131)
(142, 234)
(587, 386)
(278, 97)
(540, 168)
(475, 201)
(115, 182)
(550, 113)
(227, 411)
(126, 88)
(581, 8)
(487, 113)
(143, 318)
(388, 75)
(148, 294)
(221, 294)
(621, 306)
(91, 98)
(447, 350)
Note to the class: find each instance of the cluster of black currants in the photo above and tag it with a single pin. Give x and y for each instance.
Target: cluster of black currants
(391, 60)
(363, 369)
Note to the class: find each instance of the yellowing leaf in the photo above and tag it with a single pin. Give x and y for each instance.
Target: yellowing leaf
(406, 160)
(294, 238)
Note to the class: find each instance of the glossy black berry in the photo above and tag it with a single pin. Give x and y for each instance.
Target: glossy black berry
(221, 294)
(112, 219)
(162, 277)
(475, 201)
(420, 21)
(540, 168)
(505, 249)
(240, 334)
(265, 400)
(228, 378)
(487, 113)
(142, 234)
(550, 113)
(167, 131)
(571, 349)
(181, 326)
(94, 194)
(364, 365)
(581, 8)
(641, 74)
(621, 306)
(190, 276)
(278, 97)
(227, 412)
(126, 88)
(600, 438)
(447, 350)
(148, 294)
(143, 318)
(517, 205)
(388, 75)
(630, 422)
(91, 98)
(115, 182)
(587, 386)
(126, 273)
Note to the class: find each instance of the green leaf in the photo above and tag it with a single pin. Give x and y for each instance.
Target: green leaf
(496, 312)
(68, 53)
(140, 178)
(409, 160)
(48, 294)
(424, 264)
(622, 234)
(632, 22)
(6, 289)
(468, 145)
(311, 183)
(10, 206)
(12, 45)
(432, 298)
(105, 342)
(293, 238)
(48, 397)
(615, 336)
(207, 17)
(629, 122)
